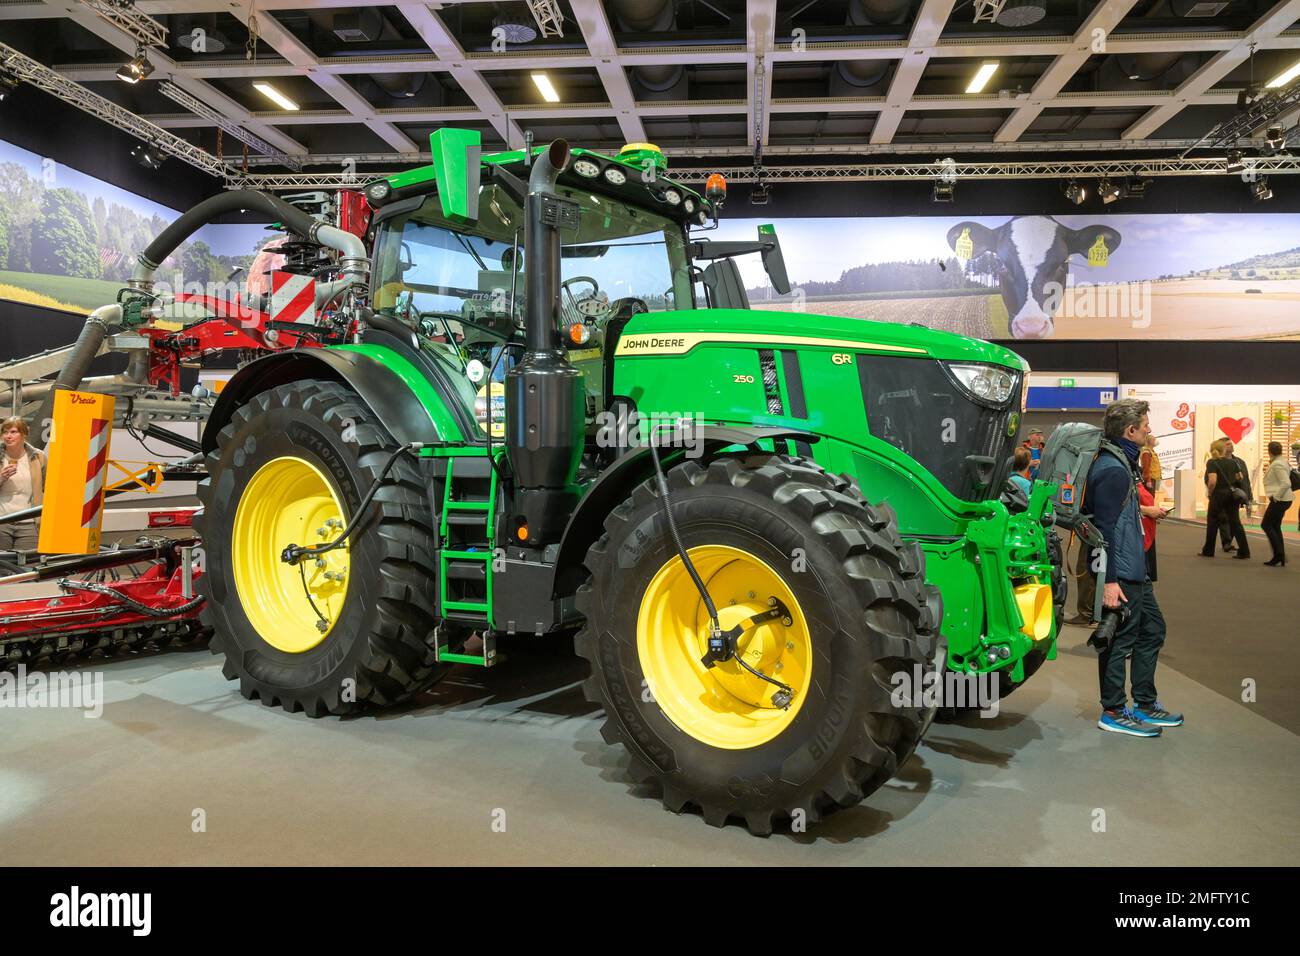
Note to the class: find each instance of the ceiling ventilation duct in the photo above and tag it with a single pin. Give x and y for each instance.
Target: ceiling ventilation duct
(1148, 70)
(369, 25)
(1022, 13)
(660, 81)
(858, 77)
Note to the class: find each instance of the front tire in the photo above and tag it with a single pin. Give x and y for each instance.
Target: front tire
(291, 460)
(758, 527)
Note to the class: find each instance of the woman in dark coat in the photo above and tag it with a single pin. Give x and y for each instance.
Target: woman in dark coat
(1222, 476)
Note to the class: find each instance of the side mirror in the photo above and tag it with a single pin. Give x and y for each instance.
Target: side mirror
(773, 261)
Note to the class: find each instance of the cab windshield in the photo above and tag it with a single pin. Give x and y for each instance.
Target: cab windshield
(430, 272)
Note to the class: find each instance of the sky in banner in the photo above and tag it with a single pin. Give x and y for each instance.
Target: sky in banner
(1153, 245)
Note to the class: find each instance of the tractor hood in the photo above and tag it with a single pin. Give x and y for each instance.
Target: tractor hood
(675, 333)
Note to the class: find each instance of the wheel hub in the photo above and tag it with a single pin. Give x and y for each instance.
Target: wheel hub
(292, 607)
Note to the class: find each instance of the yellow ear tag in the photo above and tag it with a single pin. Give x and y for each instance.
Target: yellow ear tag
(964, 247)
(1098, 254)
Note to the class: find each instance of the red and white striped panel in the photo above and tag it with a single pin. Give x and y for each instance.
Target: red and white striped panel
(96, 469)
(293, 298)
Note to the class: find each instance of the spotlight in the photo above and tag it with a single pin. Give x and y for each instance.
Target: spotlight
(1108, 191)
(1234, 162)
(147, 157)
(1260, 190)
(1075, 193)
(944, 191)
(136, 69)
(1135, 187)
(7, 84)
(760, 194)
(1275, 136)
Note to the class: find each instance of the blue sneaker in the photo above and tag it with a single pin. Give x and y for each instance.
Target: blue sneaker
(1155, 714)
(1126, 722)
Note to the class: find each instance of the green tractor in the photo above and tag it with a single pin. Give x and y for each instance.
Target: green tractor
(545, 406)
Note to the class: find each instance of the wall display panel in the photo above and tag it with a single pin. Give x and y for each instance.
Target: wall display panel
(69, 241)
(1127, 277)
(1187, 418)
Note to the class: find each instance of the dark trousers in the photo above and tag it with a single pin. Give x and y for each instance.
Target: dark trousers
(1086, 581)
(1272, 527)
(1225, 509)
(1151, 562)
(1140, 638)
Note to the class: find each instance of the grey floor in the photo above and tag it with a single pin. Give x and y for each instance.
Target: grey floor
(433, 783)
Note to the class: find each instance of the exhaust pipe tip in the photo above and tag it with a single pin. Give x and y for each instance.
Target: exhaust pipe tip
(557, 154)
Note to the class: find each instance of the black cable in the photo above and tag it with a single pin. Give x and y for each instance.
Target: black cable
(302, 573)
(69, 585)
(677, 539)
(292, 553)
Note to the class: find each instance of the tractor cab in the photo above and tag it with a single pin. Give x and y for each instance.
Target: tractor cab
(459, 281)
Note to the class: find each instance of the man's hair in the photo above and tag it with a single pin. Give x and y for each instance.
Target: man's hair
(1275, 448)
(1023, 458)
(15, 422)
(1122, 415)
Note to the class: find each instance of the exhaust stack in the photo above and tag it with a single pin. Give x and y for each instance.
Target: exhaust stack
(545, 396)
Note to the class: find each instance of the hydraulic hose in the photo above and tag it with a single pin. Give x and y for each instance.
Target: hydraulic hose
(272, 207)
(99, 324)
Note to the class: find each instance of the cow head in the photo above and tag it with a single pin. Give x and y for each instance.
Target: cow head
(1033, 253)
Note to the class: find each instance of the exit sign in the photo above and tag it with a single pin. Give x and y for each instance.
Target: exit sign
(1066, 382)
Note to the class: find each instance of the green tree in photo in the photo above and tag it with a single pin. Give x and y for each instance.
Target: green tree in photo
(63, 242)
(197, 262)
(4, 234)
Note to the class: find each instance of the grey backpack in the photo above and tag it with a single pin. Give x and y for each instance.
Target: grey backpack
(1066, 458)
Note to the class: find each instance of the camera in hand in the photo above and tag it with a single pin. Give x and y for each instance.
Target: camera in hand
(1112, 619)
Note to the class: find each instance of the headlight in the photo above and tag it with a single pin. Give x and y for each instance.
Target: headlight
(615, 176)
(378, 192)
(689, 205)
(985, 382)
(585, 167)
(672, 197)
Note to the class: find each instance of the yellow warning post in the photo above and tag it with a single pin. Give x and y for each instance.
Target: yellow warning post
(78, 464)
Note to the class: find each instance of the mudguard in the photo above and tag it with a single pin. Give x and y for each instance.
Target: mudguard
(633, 467)
(379, 387)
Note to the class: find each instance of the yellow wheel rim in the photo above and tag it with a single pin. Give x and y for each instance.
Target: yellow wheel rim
(723, 706)
(288, 502)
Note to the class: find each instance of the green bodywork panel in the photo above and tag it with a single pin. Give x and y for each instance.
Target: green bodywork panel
(974, 549)
(420, 386)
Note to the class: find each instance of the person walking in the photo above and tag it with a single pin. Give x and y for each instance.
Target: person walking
(1111, 499)
(1152, 474)
(22, 485)
(1277, 485)
(1223, 479)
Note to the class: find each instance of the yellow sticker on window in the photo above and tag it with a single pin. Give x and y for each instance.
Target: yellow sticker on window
(1098, 254)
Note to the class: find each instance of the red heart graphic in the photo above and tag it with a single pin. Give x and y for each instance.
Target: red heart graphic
(1236, 428)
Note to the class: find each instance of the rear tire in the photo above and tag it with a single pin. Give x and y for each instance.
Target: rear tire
(869, 614)
(379, 648)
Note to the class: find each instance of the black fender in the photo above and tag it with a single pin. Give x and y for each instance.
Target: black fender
(615, 484)
(381, 389)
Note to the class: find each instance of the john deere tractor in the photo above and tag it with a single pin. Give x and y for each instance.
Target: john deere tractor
(538, 402)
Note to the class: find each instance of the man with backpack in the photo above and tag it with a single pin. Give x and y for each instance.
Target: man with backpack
(1110, 498)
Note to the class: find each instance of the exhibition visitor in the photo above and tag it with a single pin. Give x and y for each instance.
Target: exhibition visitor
(1151, 513)
(1034, 444)
(1020, 468)
(1223, 478)
(1277, 485)
(1111, 499)
(1152, 474)
(22, 485)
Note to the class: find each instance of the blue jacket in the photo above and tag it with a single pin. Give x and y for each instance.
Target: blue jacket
(1110, 496)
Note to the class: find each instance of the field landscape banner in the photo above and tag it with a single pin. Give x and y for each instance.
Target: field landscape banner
(1090, 276)
(68, 241)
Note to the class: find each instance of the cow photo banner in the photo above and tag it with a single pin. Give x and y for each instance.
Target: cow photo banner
(1164, 276)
